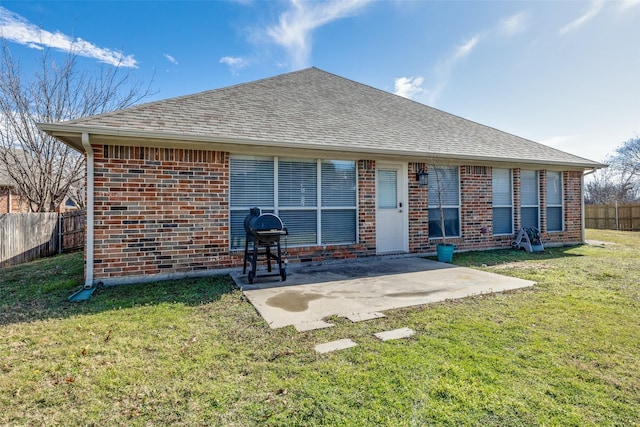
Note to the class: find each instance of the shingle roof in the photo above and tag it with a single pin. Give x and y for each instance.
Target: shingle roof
(314, 109)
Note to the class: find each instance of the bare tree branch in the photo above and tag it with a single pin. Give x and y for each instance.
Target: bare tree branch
(44, 170)
(620, 182)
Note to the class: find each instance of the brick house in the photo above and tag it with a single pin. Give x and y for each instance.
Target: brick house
(10, 201)
(170, 182)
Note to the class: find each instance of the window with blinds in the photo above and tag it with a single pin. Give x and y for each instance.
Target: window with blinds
(502, 201)
(387, 189)
(529, 199)
(444, 187)
(297, 199)
(316, 199)
(554, 201)
(338, 211)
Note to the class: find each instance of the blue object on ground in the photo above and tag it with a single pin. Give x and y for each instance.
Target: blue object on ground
(82, 295)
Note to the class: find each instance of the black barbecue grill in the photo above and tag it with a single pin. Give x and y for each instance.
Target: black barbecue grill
(263, 231)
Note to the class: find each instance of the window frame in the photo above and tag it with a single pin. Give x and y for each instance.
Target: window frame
(434, 207)
(537, 193)
(318, 208)
(556, 206)
(496, 206)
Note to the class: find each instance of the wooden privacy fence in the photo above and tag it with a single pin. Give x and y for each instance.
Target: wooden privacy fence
(613, 217)
(71, 231)
(28, 236)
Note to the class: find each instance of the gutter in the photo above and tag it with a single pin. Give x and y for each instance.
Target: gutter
(87, 290)
(175, 139)
(88, 283)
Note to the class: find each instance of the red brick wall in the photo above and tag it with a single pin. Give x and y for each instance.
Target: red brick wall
(542, 185)
(477, 213)
(4, 200)
(418, 211)
(160, 210)
(10, 202)
(367, 206)
(517, 199)
(165, 211)
(476, 207)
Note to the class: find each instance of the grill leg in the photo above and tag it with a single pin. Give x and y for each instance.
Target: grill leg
(254, 259)
(283, 271)
(268, 249)
(246, 253)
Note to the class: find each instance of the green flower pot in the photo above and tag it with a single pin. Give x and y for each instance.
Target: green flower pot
(445, 252)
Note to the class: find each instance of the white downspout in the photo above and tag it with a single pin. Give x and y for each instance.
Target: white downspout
(88, 282)
(582, 201)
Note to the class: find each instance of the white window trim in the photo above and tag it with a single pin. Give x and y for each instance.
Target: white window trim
(318, 208)
(505, 206)
(561, 205)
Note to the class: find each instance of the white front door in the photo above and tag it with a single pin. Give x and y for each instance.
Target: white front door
(391, 209)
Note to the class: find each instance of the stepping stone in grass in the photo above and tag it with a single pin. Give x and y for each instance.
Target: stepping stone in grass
(396, 334)
(334, 345)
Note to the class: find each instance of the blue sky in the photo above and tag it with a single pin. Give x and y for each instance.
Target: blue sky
(564, 73)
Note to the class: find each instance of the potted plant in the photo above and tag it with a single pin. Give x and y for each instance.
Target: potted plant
(444, 249)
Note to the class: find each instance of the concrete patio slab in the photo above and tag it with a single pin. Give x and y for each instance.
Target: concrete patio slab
(396, 334)
(314, 292)
(334, 346)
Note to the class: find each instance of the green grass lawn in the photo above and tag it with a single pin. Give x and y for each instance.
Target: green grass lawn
(194, 352)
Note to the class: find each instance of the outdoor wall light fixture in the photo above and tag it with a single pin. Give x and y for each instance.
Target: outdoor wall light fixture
(422, 177)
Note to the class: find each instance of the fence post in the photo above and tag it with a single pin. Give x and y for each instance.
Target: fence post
(617, 218)
(59, 233)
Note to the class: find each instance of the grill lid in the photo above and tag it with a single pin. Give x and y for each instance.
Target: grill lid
(257, 222)
(265, 222)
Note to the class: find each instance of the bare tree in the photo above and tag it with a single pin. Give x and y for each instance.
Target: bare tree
(44, 170)
(626, 162)
(620, 182)
(605, 186)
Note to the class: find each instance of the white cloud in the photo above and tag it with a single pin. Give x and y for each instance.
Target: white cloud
(594, 9)
(626, 4)
(444, 68)
(296, 25)
(170, 58)
(408, 87)
(513, 25)
(16, 29)
(466, 48)
(507, 27)
(235, 63)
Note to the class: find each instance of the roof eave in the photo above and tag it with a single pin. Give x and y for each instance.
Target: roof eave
(71, 134)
